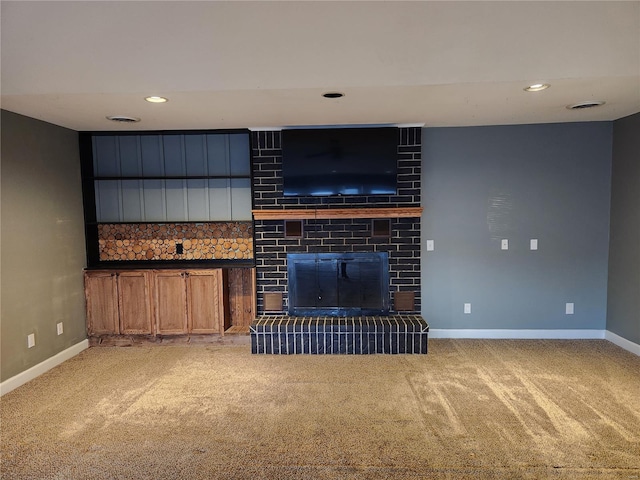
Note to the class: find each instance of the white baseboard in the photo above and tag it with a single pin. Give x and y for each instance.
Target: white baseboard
(37, 370)
(567, 334)
(622, 342)
(536, 334)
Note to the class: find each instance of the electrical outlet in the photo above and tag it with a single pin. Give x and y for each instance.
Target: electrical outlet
(533, 244)
(430, 245)
(467, 308)
(568, 309)
(504, 245)
(59, 328)
(31, 340)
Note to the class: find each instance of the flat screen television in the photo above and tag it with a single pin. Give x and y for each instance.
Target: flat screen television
(340, 161)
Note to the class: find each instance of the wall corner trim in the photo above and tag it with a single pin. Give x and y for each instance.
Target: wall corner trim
(37, 370)
(559, 334)
(622, 342)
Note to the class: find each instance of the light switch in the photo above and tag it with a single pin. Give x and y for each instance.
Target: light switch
(31, 340)
(430, 245)
(568, 309)
(467, 308)
(504, 244)
(533, 244)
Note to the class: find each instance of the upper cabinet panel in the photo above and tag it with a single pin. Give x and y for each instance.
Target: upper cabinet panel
(174, 155)
(152, 155)
(172, 177)
(129, 153)
(105, 156)
(195, 155)
(239, 155)
(218, 155)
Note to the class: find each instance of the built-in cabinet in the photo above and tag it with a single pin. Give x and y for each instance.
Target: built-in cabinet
(242, 287)
(101, 292)
(169, 302)
(157, 178)
(118, 302)
(206, 302)
(134, 306)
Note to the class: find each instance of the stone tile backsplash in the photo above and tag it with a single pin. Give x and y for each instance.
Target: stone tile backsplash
(199, 241)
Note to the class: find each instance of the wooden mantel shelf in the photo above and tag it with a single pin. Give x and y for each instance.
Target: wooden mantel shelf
(328, 213)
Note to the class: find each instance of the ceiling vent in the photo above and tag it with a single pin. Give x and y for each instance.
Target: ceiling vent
(583, 105)
(123, 119)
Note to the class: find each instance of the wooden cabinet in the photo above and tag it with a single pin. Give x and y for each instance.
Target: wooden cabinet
(189, 301)
(242, 297)
(101, 292)
(134, 305)
(118, 302)
(169, 302)
(206, 301)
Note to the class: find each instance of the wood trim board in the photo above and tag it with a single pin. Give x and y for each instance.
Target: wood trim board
(328, 213)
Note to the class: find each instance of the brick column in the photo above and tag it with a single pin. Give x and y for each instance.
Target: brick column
(335, 235)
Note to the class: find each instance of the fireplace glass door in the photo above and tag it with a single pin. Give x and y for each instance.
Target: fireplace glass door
(344, 284)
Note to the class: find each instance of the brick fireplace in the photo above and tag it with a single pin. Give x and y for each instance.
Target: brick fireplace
(335, 235)
(288, 227)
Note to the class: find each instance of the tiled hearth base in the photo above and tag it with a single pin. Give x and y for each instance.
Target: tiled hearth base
(281, 334)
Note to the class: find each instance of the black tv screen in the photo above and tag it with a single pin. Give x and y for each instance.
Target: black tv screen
(340, 161)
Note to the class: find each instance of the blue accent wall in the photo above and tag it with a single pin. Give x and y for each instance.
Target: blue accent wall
(623, 309)
(549, 182)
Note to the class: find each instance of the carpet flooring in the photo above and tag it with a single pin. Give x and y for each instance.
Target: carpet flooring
(516, 409)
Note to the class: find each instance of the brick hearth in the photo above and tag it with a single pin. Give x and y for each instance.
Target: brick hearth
(281, 334)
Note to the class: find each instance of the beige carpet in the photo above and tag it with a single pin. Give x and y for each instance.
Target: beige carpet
(469, 409)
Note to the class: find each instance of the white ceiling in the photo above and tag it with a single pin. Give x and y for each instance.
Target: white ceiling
(240, 64)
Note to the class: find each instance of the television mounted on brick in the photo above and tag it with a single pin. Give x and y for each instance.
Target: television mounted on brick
(340, 161)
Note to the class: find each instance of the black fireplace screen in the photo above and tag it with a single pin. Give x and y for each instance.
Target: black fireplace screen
(338, 284)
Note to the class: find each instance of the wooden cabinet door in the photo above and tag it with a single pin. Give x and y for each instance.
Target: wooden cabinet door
(101, 294)
(242, 297)
(206, 301)
(171, 302)
(135, 303)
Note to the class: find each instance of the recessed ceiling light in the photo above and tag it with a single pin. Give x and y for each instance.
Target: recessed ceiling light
(333, 95)
(583, 105)
(156, 99)
(123, 119)
(537, 87)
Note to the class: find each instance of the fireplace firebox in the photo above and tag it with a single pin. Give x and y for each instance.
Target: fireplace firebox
(338, 284)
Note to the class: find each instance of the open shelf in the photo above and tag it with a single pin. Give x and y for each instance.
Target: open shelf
(237, 330)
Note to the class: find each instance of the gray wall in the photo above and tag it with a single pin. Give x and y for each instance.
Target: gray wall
(623, 305)
(482, 184)
(43, 251)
